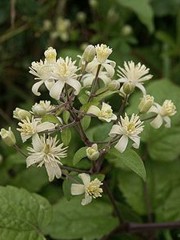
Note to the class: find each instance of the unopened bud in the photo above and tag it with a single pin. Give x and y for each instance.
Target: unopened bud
(126, 30)
(128, 88)
(81, 17)
(8, 137)
(145, 103)
(114, 85)
(92, 152)
(89, 53)
(93, 3)
(21, 114)
(50, 55)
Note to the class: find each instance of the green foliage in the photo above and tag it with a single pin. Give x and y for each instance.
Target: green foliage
(80, 154)
(73, 221)
(23, 215)
(130, 159)
(66, 136)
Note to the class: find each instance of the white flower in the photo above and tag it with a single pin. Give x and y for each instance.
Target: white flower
(8, 136)
(127, 129)
(104, 114)
(102, 52)
(145, 103)
(134, 74)
(42, 108)
(50, 55)
(20, 114)
(164, 113)
(92, 152)
(88, 78)
(91, 189)
(64, 73)
(43, 74)
(29, 128)
(46, 151)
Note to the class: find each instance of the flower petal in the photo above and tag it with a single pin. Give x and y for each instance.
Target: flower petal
(86, 200)
(94, 110)
(157, 122)
(33, 159)
(56, 90)
(122, 144)
(75, 84)
(36, 87)
(53, 170)
(85, 178)
(115, 130)
(77, 189)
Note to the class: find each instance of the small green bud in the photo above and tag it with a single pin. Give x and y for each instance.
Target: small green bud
(92, 152)
(8, 137)
(145, 103)
(114, 85)
(21, 114)
(89, 53)
(81, 17)
(128, 88)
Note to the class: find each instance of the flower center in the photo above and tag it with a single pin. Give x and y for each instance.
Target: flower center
(46, 149)
(168, 108)
(106, 113)
(63, 70)
(94, 189)
(130, 128)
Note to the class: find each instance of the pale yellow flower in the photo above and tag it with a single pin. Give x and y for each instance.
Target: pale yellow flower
(91, 189)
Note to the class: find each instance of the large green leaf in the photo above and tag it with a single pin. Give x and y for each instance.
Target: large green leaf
(129, 159)
(23, 215)
(162, 181)
(71, 220)
(143, 10)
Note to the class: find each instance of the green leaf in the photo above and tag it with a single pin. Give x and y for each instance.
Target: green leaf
(71, 220)
(66, 116)
(66, 136)
(129, 159)
(80, 154)
(67, 188)
(86, 122)
(142, 9)
(162, 181)
(99, 132)
(50, 118)
(23, 215)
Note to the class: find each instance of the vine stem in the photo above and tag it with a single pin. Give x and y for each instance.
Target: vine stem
(93, 88)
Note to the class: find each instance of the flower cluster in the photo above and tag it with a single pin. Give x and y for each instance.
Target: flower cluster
(87, 83)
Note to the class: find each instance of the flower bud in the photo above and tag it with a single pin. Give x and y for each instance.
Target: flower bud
(81, 17)
(126, 30)
(93, 3)
(41, 108)
(8, 137)
(89, 53)
(92, 152)
(21, 114)
(128, 88)
(145, 103)
(102, 52)
(114, 85)
(50, 55)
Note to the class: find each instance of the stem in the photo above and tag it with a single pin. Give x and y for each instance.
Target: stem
(74, 169)
(20, 151)
(93, 88)
(111, 198)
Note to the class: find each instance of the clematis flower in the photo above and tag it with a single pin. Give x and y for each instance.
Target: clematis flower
(42, 108)
(133, 76)
(102, 52)
(91, 189)
(47, 152)
(104, 114)
(30, 127)
(127, 129)
(164, 113)
(88, 78)
(8, 136)
(64, 73)
(145, 103)
(42, 71)
(92, 152)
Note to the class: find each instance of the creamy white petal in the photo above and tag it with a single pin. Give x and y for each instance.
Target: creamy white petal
(141, 87)
(122, 144)
(86, 200)
(56, 89)
(75, 84)
(115, 130)
(37, 143)
(45, 126)
(85, 178)
(136, 141)
(110, 70)
(49, 84)
(53, 170)
(77, 189)
(157, 122)
(93, 110)
(33, 159)
(36, 87)
(167, 121)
